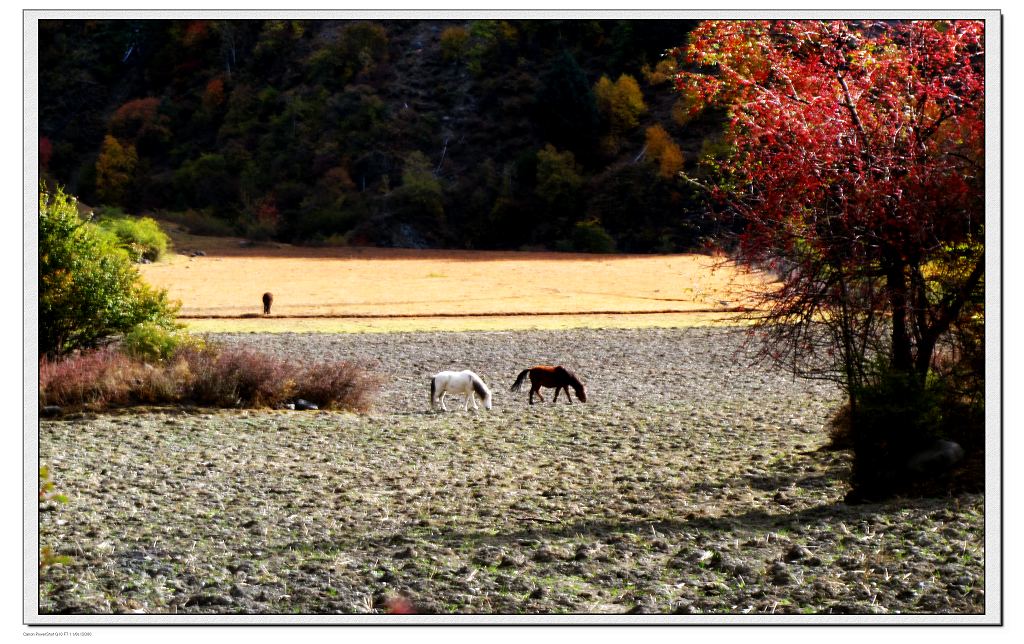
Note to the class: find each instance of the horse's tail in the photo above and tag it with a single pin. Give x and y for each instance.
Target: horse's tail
(481, 389)
(433, 390)
(518, 384)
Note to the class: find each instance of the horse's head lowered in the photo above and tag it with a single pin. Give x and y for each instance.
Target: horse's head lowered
(577, 386)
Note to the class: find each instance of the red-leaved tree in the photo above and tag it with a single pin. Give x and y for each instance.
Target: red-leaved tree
(856, 167)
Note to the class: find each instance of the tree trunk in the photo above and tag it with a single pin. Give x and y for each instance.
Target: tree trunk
(902, 358)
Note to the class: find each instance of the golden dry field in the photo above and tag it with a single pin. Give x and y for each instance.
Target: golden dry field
(373, 289)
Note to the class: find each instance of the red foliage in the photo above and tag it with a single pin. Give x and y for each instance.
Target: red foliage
(887, 131)
(858, 151)
(196, 32)
(213, 97)
(45, 152)
(134, 116)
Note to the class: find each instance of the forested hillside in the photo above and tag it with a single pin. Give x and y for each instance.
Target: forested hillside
(467, 134)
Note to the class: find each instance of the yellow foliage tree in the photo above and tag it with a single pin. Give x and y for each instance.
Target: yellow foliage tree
(621, 103)
(664, 71)
(663, 150)
(454, 43)
(115, 169)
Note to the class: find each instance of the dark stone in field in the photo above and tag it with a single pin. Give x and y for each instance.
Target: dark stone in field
(50, 411)
(780, 574)
(407, 553)
(544, 555)
(797, 552)
(305, 405)
(685, 608)
(245, 566)
(964, 581)
(782, 499)
(937, 459)
(511, 561)
(488, 556)
(645, 608)
(849, 563)
(208, 599)
(842, 609)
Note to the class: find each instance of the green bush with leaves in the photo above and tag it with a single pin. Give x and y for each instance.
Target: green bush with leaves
(142, 237)
(420, 198)
(88, 286)
(591, 237)
(155, 342)
(559, 179)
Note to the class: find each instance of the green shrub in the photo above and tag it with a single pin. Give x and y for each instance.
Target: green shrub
(142, 237)
(591, 237)
(88, 286)
(156, 343)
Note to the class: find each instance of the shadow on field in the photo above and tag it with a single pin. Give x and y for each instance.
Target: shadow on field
(778, 517)
(838, 470)
(755, 522)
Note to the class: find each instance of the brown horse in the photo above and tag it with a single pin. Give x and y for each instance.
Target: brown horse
(268, 299)
(546, 376)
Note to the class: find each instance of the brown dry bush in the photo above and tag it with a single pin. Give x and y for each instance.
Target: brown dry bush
(101, 377)
(239, 378)
(339, 385)
(839, 431)
(203, 375)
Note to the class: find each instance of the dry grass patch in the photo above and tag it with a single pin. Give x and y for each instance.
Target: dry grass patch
(230, 279)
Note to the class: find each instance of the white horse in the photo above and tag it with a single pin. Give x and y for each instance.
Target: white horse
(458, 382)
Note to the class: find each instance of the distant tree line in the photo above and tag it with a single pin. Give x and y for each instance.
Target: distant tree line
(554, 134)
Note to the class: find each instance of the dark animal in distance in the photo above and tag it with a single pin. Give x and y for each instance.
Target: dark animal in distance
(546, 376)
(268, 299)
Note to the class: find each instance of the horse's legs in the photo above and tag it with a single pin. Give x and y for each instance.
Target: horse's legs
(557, 390)
(443, 406)
(535, 389)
